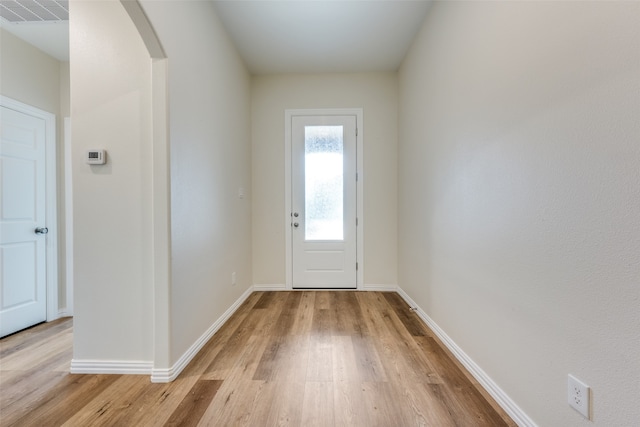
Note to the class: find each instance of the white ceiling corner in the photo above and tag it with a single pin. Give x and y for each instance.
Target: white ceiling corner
(50, 37)
(302, 36)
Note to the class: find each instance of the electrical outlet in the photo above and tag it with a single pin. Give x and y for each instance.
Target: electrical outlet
(578, 395)
(233, 278)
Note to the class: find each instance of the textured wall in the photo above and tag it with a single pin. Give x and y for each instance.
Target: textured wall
(29, 75)
(519, 211)
(210, 145)
(112, 223)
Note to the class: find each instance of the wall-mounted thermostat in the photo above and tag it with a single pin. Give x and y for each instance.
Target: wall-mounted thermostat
(96, 157)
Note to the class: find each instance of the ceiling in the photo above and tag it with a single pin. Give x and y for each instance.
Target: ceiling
(274, 36)
(285, 36)
(51, 38)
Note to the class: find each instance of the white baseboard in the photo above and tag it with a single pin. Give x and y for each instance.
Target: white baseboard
(366, 287)
(170, 374)
(379, 288)
(510, 407)
(111, 367)
(64, 313)
(273, 287)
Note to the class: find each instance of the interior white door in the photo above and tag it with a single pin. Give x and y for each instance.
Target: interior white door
(324, 202)
(22, 221)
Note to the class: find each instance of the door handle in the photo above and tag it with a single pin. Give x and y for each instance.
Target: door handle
(42, 230)
(295, 214)
(295, 224)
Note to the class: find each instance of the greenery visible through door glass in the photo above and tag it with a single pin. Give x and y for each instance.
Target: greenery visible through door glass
(324, 182)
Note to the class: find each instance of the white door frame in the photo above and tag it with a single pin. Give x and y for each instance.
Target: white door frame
(288, 115)
(51, 199)
(68, 216)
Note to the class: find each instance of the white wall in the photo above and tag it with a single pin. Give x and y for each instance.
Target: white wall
(28, 75)
(65, 91)
(31, 76)
(519, 210)
(209, 122)
(111, 109)
(376, 93)
(114, 205)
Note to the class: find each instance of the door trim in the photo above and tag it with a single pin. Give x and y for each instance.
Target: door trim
(68, 217)
(288, 115)
(51, 199)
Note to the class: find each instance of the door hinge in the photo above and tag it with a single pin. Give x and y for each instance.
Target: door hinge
(356, 222)
(356, 266)
(356, 131)
(356, 176)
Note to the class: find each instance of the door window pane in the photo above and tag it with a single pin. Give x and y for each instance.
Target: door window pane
(323, 146)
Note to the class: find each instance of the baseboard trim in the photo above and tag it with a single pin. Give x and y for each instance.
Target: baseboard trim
(273, 287)
(366, 287)
(170, 374)
(122, 367)
(379, 288)
(510, 407)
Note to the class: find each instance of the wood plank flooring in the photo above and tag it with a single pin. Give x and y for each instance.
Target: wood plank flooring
(316, 358)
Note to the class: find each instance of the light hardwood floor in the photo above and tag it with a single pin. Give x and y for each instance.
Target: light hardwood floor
(284, 358)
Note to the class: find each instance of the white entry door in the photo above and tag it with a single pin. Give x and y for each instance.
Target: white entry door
(323, 201)
(22, 221)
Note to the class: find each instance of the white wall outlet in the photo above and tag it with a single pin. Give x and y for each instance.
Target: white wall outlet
(233, 278)
(579, 396)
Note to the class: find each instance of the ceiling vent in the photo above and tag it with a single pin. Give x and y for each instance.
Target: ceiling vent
(18, 11)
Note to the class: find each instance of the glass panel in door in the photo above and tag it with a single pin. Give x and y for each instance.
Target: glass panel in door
(324, 183)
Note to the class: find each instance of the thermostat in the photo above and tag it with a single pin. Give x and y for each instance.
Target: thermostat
(96, 157)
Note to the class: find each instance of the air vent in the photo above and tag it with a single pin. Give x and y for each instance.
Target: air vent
(17, 11)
